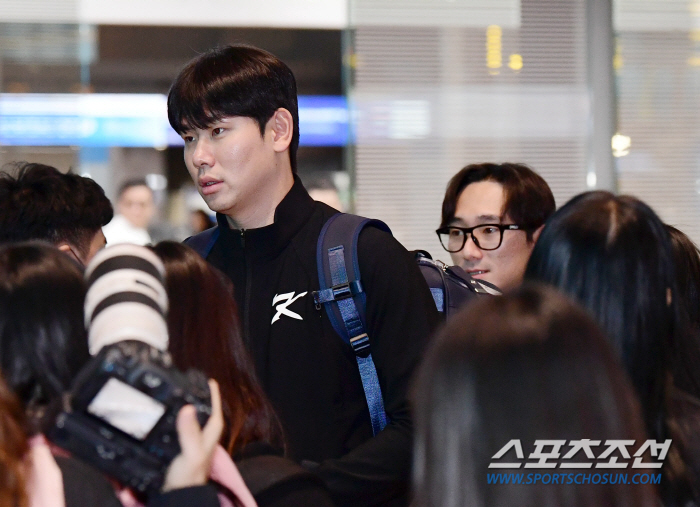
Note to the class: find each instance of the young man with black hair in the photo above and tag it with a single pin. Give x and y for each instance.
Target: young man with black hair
(492, 215)
(236, 109)
(42, 203)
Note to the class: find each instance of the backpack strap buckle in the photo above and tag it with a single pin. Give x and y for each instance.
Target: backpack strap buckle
(360, 344)
(337, 292)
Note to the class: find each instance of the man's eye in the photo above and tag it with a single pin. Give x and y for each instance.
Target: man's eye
(455, 233)
(490, 230)
(188, 139)
(217, 131)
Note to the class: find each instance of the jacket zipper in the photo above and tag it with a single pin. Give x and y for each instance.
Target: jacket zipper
(248, 275)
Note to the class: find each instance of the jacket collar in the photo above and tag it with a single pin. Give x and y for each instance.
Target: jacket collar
(291, 214)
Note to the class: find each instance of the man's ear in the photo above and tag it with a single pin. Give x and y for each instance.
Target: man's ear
(536, 234)
(283, 129)
(66, 248)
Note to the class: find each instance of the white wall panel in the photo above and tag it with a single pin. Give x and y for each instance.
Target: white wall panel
(658, 82)
(426, 103)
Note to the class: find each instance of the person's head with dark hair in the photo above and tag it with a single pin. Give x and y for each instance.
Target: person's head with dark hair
(236, 109)
(686, 354)
(41, 203)
(205, 334)
(530, 365)
(687, 261)
(613, 255)
(492, 215)
(43, 343)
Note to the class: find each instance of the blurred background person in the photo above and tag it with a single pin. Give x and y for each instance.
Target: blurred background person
(135, 209)
(321, 187)
(200, 221)
(205, 334)
(612, 254)
(492, 215)
(37, 202)
(528, 365)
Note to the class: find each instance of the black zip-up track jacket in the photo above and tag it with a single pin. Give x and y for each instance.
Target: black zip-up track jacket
(308, 372)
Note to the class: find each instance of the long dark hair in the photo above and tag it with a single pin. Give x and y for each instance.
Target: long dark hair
(205, 334)
(686, 356)
(13, 443)
(529, 365)
(43, 343)
(613, 255)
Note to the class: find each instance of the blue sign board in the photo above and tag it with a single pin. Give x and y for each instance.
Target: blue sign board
(136, 120)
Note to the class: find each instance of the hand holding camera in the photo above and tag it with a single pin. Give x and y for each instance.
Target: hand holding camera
(123, 414)
(191, 466)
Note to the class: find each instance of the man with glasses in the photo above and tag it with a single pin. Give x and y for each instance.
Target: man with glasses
(492, 215)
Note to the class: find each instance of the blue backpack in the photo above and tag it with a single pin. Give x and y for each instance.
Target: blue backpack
(342, 294)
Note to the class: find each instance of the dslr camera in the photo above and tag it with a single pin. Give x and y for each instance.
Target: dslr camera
(120, 414)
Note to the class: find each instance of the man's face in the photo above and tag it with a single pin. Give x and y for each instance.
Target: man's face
(482, 203)
(136, 204)
(232, 165)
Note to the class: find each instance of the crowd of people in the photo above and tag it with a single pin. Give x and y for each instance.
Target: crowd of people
(578, 386)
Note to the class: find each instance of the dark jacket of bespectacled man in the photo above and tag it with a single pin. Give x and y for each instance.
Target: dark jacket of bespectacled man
(236, 110)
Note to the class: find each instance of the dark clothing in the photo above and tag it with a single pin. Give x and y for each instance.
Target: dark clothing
(201, 496)
(682, 466)
(83, 486)
(309, 373)
(276, 481)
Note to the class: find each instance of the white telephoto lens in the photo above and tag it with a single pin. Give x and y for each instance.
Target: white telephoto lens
(126, 299)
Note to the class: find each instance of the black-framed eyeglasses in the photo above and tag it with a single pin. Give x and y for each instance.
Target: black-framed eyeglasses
(484, 236)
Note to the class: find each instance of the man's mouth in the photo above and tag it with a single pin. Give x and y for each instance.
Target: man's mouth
(209, 186)
(477, 271)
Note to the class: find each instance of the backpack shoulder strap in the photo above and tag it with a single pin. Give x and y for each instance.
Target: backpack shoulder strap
(342, 295)
(203, 242)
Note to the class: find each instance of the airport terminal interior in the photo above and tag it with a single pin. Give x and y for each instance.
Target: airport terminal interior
(395, 96)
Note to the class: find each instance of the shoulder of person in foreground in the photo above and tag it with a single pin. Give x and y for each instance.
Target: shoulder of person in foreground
(276, 481)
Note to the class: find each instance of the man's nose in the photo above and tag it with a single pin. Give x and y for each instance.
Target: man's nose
(470, 250)
(202, 155)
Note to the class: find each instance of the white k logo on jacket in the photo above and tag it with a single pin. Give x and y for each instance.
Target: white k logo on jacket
(282, 302)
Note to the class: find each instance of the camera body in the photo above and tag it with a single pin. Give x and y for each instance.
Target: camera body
(120, 415)
(122, 412)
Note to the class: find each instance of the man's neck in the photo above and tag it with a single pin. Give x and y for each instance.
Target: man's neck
(261, 212)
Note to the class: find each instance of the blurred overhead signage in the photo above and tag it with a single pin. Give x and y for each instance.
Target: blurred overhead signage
(263, 13)
(135, 120)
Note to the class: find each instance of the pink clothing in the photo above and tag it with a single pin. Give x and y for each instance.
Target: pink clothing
(44, 480)
(223, 471)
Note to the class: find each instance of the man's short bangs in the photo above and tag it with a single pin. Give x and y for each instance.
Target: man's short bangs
(196, 104)
(231, 81)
